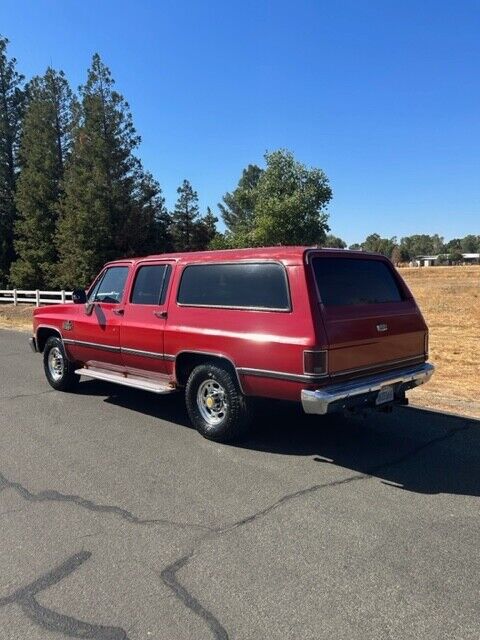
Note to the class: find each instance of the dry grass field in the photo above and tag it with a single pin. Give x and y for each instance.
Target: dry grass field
(449, 298)
(16, 317)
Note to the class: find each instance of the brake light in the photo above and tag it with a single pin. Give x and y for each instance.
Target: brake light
(315, 362)
(425, 344)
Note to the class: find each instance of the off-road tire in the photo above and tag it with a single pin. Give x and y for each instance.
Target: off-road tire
(237, 414)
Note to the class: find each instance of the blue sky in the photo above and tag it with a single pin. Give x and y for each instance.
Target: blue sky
(383, 95)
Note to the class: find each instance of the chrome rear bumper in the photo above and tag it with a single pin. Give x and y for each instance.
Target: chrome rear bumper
(363, 391)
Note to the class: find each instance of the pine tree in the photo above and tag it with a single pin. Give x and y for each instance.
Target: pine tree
(100, 181)
(184, 218)
(11, 109)
(205, 231)
(150, 224)
(44, 149)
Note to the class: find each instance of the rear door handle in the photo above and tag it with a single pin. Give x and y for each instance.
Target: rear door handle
(119, 312)
(160, 314)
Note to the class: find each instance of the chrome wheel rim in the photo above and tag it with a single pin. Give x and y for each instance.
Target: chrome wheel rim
(56, 363)
(212, 402)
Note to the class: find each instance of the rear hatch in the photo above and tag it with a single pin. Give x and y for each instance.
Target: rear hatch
(370, 317)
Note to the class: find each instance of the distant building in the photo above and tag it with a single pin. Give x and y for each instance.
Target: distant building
(442, 258)
(426, 261)
(471, 258)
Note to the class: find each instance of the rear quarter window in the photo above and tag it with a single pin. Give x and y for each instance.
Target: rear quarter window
(260, 286)
(350, 281)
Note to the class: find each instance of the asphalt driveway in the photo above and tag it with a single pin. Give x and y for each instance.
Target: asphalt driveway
(117, 520)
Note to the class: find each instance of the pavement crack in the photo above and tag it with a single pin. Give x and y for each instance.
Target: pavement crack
(169, 577)
(51, 495)
(291, 496)
(6, 513)
(25, 598)
(416, 450)
(352, 478)
(169, 574)
(27, 395)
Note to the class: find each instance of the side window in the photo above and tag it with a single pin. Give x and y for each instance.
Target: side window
(151, 284)
(110, 287)
(261, 286)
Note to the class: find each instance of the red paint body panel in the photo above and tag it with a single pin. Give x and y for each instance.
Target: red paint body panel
(270, 341)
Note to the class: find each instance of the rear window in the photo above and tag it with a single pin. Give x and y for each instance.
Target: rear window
(348, 281)
(241, 286)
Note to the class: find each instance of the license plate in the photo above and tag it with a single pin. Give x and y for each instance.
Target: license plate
(384, 395)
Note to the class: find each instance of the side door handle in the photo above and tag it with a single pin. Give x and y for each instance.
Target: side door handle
(160, 314)
(119, 312)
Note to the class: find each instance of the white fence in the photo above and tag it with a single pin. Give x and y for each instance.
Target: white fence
(37, 297)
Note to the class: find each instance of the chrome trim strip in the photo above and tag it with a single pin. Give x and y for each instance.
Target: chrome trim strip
(240, 262)
(224, 306)
(127, 350)
(281, 375)
(139, 352)
(93, 345)
(380, 365)
(319, 401)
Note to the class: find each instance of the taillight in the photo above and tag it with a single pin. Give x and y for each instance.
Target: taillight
(425, 344)
(315, 362)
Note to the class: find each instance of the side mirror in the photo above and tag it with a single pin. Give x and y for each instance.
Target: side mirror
(79, 296)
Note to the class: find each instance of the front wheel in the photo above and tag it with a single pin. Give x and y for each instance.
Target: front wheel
(215, 404)
(59, 371)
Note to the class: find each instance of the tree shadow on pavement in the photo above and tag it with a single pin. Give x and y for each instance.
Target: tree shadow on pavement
(411, 448)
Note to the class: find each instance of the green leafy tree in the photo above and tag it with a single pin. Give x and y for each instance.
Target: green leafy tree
(238, 207)
(334, 242)
(455, 257)
(185, 219)
(421, 245)
(290, 203)
(12, 98)
(99, 207)
(376, 243)
(454, 245)
(470, 244)
(44, 149)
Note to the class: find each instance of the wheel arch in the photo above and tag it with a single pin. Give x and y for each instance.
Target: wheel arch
(43, 333)
(186, 361)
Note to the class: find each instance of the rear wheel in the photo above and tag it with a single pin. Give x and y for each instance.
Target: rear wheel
(59, 371)
(215, 404)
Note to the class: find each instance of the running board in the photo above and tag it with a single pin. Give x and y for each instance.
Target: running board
(126, 380)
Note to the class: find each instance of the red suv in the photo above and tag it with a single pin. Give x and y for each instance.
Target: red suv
(335, 330)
